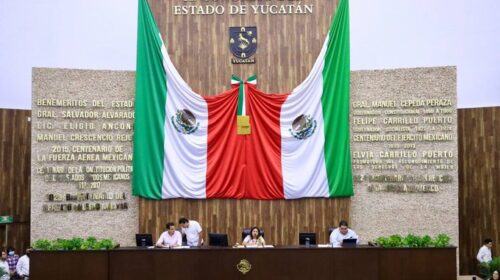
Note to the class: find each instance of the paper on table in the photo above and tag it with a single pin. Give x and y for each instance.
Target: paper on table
(181, 247)
(253, 246)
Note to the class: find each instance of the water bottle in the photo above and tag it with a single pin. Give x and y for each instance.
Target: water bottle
(308, 242)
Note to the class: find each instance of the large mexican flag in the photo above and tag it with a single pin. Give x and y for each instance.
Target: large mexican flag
(188, 145)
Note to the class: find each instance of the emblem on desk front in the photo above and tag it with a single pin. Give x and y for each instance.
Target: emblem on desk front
(243, 44)
(244, 266)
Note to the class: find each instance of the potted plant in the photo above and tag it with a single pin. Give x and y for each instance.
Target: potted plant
(488, 267)
(413, 241)
(3, 272)
(76, 243)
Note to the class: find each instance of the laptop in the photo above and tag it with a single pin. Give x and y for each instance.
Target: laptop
(349, 242)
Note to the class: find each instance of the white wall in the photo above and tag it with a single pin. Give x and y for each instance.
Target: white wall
(101, 34)
(85, 34)
(411, 33)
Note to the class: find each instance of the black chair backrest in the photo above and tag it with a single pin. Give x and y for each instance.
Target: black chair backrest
(246, 231)
(303, 237)
(184, 240)
(218, 239)
(330, 230)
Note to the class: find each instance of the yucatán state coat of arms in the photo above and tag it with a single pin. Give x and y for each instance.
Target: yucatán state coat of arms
(243, 44)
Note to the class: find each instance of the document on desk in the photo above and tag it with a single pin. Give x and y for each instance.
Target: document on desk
(259, 246)
(324, 246)
(181, 247)
(253, 246)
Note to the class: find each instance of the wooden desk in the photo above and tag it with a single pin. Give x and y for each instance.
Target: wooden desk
(273, 263)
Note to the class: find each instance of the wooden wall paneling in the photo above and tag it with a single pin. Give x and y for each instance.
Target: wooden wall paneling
(15, 162)
(479, 183)
(281, 220)
(18, 236)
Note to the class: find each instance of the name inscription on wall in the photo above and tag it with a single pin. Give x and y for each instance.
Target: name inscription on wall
(412, 136)
(85, 143)
(241, 7)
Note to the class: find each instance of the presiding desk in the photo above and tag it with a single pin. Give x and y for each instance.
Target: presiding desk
(310, 263)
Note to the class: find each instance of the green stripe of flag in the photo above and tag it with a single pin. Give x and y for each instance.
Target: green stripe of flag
(252, 79)
(335, 103)
(241, 93)
(150, 100)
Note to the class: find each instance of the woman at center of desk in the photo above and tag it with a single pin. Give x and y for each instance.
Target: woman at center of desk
(255, 238)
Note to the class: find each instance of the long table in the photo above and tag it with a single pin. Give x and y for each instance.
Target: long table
(247, 263)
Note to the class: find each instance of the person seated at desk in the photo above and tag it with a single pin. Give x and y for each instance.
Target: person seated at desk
(342, 232)
(169, 238)
(192, 230)
(255, 238)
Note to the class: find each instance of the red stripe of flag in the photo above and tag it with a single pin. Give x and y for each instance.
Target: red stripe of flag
(244, 166)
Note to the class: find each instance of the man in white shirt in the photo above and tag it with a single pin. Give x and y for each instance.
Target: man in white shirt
(23, 265)
(342, 232)
(484, 254)
(170, 238)
(4, 266)
(192, 230)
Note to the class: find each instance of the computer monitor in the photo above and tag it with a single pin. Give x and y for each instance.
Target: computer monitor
(217, 239)
(304, 235)
(143, 239)
(350, 242)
